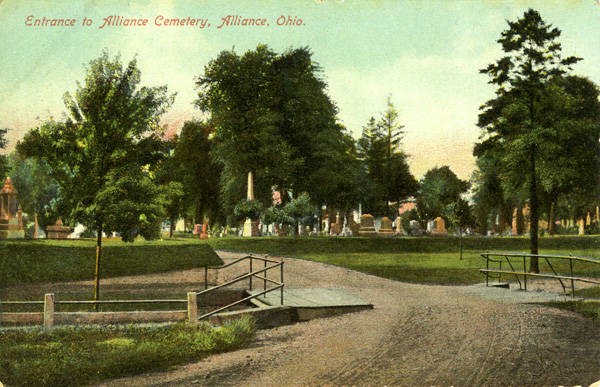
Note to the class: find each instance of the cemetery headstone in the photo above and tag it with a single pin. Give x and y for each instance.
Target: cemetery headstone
(581, 224)
(386, 227)
(440, 227)
(58, 230)
(353, 226)
(367, 225)
(204, 233)
(415, 228)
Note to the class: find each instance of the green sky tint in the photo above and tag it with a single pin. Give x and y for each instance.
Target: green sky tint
(425, 54)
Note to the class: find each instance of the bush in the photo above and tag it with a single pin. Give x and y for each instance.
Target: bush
(248, 209)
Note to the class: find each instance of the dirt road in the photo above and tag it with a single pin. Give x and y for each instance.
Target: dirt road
(416, 335)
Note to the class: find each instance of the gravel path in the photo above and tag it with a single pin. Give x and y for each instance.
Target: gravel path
(416, 335)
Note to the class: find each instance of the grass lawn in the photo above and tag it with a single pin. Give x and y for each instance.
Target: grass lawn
(26, 261)
(432, 260)
(68, 356)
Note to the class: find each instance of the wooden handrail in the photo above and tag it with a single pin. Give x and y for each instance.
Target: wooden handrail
(489, 257)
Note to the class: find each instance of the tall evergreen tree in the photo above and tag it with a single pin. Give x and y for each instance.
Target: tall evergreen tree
(514, 119)
(386, 174)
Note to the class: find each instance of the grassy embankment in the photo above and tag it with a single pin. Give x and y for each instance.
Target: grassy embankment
(51, 263)
(71, 260)
(83, 355)
(68, 356)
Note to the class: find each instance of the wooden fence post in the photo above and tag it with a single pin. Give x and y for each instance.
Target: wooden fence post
(48, 311)
(192, 307)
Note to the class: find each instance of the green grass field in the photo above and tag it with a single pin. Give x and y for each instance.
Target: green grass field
(434, 260)
(417, 259)
(70, 260)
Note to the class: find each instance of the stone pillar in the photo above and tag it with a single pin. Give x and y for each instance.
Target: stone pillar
(335, 228)
(399, 229)
(250, 225)
(250, 194)
(515, 228)
(588, 219)
(581, 224)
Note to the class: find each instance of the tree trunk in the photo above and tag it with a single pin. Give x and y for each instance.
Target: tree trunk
(97, 269)
(533, 216)
(551, 215)
(460, 242)
(171, 227)
(35, 225)
(520, 220)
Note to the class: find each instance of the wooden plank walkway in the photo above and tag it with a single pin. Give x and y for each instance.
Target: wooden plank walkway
(312, 298)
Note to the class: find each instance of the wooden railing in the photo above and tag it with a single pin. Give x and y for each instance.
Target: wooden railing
(50, 302)
(516, 261)
(261, 274)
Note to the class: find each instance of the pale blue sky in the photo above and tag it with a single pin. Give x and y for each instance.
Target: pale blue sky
(426, 54)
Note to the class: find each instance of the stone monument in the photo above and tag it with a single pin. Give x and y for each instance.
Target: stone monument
(367, 225)
(399, 228)
(386, 227)
(204, 233)
(250, 225)
(353, 226)
(581, 226)
(440, 227)
(514, 231)
(11, 220)
(335, 228)
(58, 231)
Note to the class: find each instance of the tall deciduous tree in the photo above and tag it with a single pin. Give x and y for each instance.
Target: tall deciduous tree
(194, 166)
(272, 116)
(439, 189)
(514, 119)
(101, 156)
(38, 191)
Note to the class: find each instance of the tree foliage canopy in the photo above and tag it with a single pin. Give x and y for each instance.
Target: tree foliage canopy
(385, 175)
(271, 115)
(439, 190)
(102, 153)
(532, 127)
